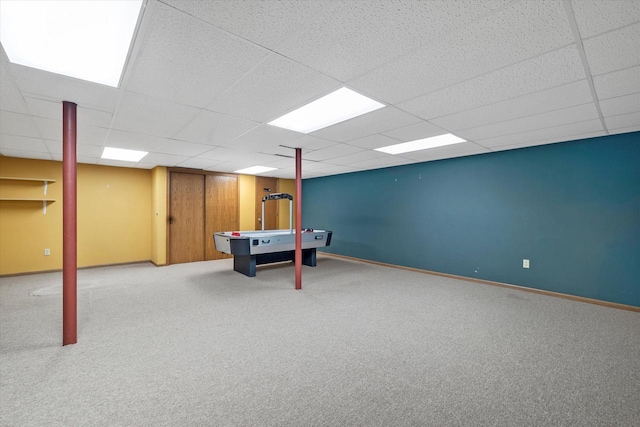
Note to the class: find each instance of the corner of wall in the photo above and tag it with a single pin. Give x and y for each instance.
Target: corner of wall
(159, 215)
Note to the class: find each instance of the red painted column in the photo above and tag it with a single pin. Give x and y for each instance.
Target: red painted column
(298, 218)
(69, 225)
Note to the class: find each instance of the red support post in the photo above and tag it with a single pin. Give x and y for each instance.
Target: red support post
(69, 225)
(298, 218)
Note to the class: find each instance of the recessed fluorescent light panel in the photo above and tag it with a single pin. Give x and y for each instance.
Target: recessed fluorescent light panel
(254, 170)
(123, 154)
(85, 39)
(338, 106)
(421, 144)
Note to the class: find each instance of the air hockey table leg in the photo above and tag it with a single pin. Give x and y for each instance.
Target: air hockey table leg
(309, 257)
(245, 264)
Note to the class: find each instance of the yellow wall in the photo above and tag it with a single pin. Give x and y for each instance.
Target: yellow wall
(122, 214)
(159, 215)
(247, 189)
(286, 186)
(25, 232)
(113, 215)
(114, 223)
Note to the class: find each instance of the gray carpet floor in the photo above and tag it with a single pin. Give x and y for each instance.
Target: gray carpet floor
(361, 345)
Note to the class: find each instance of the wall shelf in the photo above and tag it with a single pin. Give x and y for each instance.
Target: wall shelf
(24, 199)
(14, 178)
(44, 201)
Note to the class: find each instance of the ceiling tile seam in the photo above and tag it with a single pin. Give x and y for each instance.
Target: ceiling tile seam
(510, 99)
(534, 130)
(233, 85)
(133, 45)
(543, 141)
(538, 129)
(620, 96)
(583, 58)
(438, 38)
(526, 116)
(485, 74)
(499, 101)
(610, 31)
(29, 114)
(618, 70)
(233, 35)
(138, 41)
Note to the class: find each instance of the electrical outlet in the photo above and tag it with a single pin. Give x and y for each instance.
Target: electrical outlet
(525, 263)
(47, 252)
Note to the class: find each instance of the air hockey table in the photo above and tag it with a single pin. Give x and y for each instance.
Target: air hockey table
(252, 248)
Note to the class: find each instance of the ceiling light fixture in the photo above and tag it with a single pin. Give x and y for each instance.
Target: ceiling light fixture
(338, 106)
(123, 154)
(254, 170)
(88, 40)
(422, 144)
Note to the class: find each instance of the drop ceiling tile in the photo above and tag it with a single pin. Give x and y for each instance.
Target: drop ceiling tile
(142, 165)
(338, 150)
(382, 162)
(94, 151)
(625, 130)
(60, 88)
(378, 121)
(263, 139)
(224, 154)
(188, 61)
(265, 23)
(117, 163)
(48, 128)
(519, 31)
(53, 110)
(308, 142)
(151, 116)
(13, 142)
(231, 167)
(374, 141)
(360, 156)
(80, 159)
(197, 163)
(18, 124)
(334, 170)
(351, 37)
(596, 16)
(133, 141)
(554, 140)
(274, 87)
(163, 159)
(613, 51)
(620, 105)
(90, 135)
(556, 133)
(10, 97)
(213, 128)
(623, 120)
(461, 149)
(568, 95)
(182, 148)
(284, 163)
(575, 114)
(555, 68)
(618, 83)
(25, 154)
(415, 131)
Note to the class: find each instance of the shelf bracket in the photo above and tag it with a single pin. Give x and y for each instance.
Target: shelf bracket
(44, 207)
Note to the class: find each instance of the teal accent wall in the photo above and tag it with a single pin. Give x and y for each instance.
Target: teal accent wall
(572, 209)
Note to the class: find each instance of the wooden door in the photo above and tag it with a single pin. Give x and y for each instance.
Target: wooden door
(265, 186)
(186, 218)
(221, 210)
